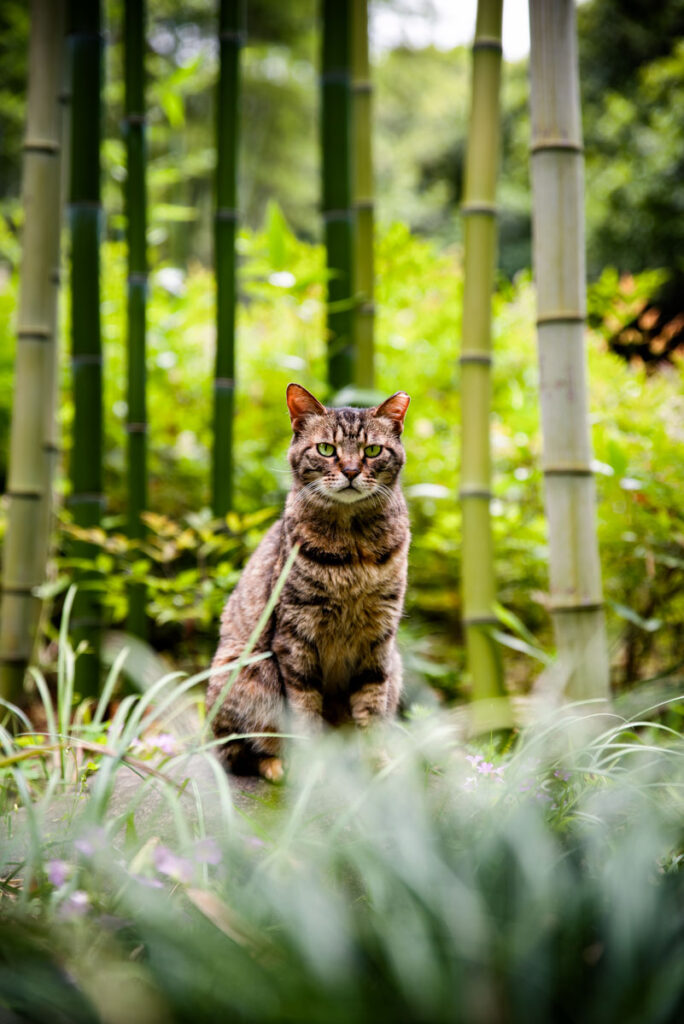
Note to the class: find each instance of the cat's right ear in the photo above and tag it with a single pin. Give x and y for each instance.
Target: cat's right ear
(301, 404)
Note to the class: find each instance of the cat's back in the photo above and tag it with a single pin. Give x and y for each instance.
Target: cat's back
(248, 599)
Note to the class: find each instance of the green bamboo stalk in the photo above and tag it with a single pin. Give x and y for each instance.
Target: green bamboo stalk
(559, 263)
(136, 220)
(231, 39)
(28, 482)
(338, 214)
(479, 212)
(362, 94)
(86, 496)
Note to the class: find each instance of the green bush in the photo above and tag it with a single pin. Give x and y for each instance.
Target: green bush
(636, 434)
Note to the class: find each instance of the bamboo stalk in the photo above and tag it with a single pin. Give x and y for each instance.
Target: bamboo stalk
(231, 39)
(338, 215)
(558, 240)
(28, 481)
(479, 212)
(136, 221)
(362, 93)
(86, 498)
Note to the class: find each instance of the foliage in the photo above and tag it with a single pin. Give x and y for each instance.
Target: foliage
(454, 883)
(636, 434)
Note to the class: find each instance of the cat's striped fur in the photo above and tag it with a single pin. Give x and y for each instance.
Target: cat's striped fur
(333, 631)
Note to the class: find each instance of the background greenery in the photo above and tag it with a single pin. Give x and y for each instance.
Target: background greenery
(634, 147)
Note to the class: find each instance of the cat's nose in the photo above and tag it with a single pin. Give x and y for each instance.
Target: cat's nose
(351, 471)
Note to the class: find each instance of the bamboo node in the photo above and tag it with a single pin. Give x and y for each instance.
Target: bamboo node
(556, 144)
(136, 428)
(135, 118)
(480, 620)
(559, 606)
(335, 78)
(233, 35)
(568, 470)
(224, 384)
(560, 317)
(34, 334)
(86, 498)
(481, 209)
(25, 495)
(225, 213)
(17, 591)
(488, 43)
(86, 359)
(137, 277)
(330, 216)
(364, 204)
(46, 146)
(475, 357)
(362, 87)
(475, 492)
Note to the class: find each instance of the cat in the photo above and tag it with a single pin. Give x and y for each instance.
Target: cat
(333, 632)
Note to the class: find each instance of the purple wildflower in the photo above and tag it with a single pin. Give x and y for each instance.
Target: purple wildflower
(93, 841)
(57, 872)
(470, 783)
(486, 768)
(168, 863)
(76, 904)
(167, 743)
(207, 851)
(474, 759)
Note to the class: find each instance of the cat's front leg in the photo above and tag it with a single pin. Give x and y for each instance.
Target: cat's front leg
(375, 689)
(368, 696)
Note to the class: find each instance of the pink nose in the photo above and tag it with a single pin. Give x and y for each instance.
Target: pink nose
(351, 471)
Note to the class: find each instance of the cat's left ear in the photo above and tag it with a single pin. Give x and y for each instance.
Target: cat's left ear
(301, 403)
(394, 408)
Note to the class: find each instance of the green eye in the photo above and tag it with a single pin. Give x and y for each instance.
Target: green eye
(326, 449)
(372, 450)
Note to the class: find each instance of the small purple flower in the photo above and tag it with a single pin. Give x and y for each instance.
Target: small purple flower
(470, 783)
(151, 883)
(558, 774)
(474, 759)
(180, 869)
(254, 842)
(93, 841)
(485, 768)
(57, 872)
(76, 904)
(167, 743)
(207, 851)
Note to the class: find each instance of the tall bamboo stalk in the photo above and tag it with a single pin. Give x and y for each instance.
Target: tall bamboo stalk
(362, 90)
(86, 497)
(558, 238)
(231, 39)
(136, 221)
(336, 124)
(28, 480)
(479, 212)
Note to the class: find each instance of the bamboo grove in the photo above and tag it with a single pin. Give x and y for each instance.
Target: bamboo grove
(346, 191)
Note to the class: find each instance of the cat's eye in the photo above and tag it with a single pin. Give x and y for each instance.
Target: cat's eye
(372, 450)
(325, 449)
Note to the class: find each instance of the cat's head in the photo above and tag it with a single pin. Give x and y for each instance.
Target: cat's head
(346, 455)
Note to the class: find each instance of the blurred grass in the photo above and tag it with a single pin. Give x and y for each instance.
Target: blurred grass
(399, 876)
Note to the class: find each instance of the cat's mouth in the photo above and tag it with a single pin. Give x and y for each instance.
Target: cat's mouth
(348, 495)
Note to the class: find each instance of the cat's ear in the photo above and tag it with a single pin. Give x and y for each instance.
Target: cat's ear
(394, 408)
(301, 404)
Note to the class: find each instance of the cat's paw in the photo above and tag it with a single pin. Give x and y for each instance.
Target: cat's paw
(271, 769)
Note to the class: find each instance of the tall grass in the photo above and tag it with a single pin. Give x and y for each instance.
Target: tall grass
(395, 877)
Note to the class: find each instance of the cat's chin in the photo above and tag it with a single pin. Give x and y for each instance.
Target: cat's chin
(347, 496)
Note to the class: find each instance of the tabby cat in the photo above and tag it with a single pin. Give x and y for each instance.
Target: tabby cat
(333, 632)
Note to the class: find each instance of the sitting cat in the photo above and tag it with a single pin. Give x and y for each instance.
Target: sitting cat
(333, 632)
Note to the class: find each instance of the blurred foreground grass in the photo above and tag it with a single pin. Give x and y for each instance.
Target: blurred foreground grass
(402, 876)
